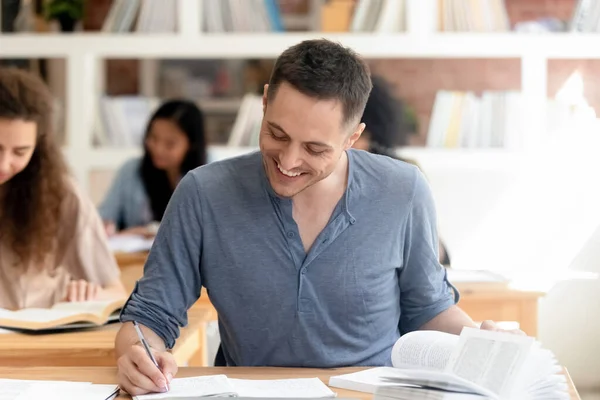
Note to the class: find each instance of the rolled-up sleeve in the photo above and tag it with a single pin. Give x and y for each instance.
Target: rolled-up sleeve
(171, 282)
(424, 288)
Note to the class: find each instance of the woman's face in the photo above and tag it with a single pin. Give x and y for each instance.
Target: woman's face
(167, 144)
(17, 143)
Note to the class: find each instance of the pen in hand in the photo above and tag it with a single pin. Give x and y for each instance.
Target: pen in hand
(145, 344)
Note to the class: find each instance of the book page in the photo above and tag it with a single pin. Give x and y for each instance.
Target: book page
(35, 314)
(129, 243)
(198, 386)
(490, 359)
(84, 307)
(424, 350)
(282, 388)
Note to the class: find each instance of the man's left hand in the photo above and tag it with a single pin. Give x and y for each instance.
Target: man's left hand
(492, 326)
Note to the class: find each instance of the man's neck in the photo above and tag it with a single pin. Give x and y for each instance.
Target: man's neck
(331, 187)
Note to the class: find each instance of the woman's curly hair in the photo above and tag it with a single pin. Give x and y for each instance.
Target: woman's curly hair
(31, 201)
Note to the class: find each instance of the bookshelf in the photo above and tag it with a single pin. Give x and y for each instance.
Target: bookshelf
(83, 51)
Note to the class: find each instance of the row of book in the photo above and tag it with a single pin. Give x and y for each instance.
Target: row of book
(586, 17)
(241, 16)
(473, 16)
(121, 121)
(141, 16)
(265, 16)
(498, 119)
(464, 119)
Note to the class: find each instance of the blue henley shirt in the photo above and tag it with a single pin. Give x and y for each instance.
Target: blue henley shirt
(371, 275)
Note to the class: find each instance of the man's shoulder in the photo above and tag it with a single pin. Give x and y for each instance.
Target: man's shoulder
(385, 169)
(229, 172)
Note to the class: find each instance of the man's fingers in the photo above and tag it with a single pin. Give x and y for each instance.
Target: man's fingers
(146, 367)
(489, 325)
(131, 380)
(168, 365)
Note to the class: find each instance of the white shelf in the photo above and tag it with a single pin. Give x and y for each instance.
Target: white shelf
(110, 158)
(270, 45)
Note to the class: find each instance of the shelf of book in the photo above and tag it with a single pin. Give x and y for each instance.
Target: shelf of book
(270, 45)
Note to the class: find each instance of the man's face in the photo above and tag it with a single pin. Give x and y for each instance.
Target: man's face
(302, 139)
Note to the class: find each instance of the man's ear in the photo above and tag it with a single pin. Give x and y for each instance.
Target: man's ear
(355, 135)
(264, 97)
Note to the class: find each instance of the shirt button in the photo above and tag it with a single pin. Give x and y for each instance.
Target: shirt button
(290, 234)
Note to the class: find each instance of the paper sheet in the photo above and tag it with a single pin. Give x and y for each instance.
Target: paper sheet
(199, 386)
(13, 389)
(282, 388)
(129, 243)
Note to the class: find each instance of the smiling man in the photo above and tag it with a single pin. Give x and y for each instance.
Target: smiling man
(313, 254)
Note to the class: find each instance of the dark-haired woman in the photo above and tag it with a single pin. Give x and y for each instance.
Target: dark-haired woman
(174, 144)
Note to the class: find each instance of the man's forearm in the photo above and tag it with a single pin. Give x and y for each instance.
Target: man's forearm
(452, 321)
(127, 337)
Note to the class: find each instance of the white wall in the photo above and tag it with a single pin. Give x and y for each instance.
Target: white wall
(569, 320)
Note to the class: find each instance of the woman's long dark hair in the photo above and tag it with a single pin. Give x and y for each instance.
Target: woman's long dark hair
(384, 117)
(190, 120)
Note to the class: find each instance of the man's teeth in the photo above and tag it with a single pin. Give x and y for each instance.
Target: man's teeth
(288, 173)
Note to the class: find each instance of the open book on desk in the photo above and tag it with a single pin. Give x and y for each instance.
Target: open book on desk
(222, 386)
(495, 365)
(66, 315)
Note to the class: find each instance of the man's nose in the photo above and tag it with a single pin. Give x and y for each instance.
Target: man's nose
(290, 158)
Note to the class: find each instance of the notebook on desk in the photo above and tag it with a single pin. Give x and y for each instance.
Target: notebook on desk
(62, 316)
(222, 386)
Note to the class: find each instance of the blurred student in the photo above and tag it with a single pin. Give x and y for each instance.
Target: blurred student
(174, 144)
(387, 129)
(52, 242)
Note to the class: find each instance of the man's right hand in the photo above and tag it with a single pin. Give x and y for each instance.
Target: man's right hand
(138, 375)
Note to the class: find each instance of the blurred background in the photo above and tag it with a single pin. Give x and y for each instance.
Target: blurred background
(499, 102)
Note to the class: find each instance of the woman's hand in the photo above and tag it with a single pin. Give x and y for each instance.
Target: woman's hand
(110, 228)
(81, 290)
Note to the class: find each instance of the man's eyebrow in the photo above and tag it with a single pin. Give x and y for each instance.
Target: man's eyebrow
(279, 128)
(276, 126)
(22, 148)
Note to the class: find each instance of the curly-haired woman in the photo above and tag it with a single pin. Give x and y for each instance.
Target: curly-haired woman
(52, 242)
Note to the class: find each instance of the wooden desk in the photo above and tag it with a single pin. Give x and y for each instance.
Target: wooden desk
(94, 347)
(500, 303)
(128, 259)
(108, 376)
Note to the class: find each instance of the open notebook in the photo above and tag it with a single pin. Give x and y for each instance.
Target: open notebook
(222, 386)
(15, 389)
(67, 315)
(497, 365)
